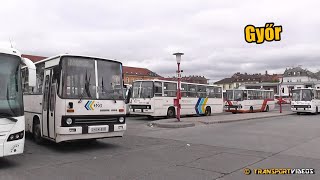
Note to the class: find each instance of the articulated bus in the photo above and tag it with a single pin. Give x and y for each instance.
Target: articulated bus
(154, 98)
(76, 97)
(249, 100)
(305, 100)
(12, 121)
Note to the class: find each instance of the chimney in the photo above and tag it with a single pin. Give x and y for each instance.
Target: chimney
(266, 72)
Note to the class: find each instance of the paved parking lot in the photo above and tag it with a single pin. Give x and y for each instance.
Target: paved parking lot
(215, 151)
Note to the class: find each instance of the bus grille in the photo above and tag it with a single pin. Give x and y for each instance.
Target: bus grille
(95, 121)
(140, 107)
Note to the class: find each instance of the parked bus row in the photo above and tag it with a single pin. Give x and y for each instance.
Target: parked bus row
(71, 97)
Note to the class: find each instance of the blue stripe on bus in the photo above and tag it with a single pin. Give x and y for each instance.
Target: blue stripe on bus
(196, 107)
(200, 105)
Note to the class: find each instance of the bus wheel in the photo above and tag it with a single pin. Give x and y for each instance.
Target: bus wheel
(317, 112)
(208, 111)
(171, 112)
(251, 109)
(298, 113)
(267, 108)
(37, 134)
(150, 117)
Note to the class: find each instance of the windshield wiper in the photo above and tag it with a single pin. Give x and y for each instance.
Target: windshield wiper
(86, 87)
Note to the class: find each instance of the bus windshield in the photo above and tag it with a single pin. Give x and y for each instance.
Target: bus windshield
(302, 95)
(238, 95)
(229, 95)
(143, 89)
(80, 79)
(296, 94)
(11, 104)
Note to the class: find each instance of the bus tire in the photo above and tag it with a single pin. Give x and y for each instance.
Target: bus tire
(208, 111)
(298, 113)
(37, 134)
(171, 113)
(317, 111)
(251, 109)
(267, 108)
(150, 117)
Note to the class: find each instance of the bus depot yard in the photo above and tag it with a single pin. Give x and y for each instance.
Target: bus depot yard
(205, 151)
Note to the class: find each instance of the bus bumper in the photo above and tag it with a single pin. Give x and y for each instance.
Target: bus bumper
(307, 110)
(12, 147)
(78, 132)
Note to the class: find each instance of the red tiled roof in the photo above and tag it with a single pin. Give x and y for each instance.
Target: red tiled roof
(138, 71)
(33, 58)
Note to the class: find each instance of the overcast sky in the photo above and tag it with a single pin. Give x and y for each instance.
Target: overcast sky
(145, 33)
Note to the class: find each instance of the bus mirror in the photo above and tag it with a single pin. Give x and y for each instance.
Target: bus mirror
(32, 77)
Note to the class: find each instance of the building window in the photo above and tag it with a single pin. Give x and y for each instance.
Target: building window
(127, 79)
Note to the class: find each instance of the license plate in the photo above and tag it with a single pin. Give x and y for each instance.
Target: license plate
(98, 129)
(137, 110)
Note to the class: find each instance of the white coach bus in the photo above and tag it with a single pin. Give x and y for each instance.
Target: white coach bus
(12, 121)
(305, 100)
(156, 98)
(77, 97)
(249, 100)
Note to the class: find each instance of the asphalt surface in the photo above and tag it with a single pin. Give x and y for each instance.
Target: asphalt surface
(215, 151)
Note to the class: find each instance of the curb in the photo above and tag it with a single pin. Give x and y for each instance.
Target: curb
(247, 119)
(172, 124)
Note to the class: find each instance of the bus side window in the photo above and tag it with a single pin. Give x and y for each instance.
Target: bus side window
(184, 90)
(201, 91)
(157, 89)
(245, 95)
(192, 90)
(217, 92)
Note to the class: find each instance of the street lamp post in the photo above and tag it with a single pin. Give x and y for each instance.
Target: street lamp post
(177, 102)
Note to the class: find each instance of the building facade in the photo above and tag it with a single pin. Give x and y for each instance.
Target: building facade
(189, 79)
(239, 80)
(297, 77)
(131, 74)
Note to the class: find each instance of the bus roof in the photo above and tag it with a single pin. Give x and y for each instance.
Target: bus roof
(74, 55)
(249, 90)
(304, 88)
(159, 80)
(10, 51)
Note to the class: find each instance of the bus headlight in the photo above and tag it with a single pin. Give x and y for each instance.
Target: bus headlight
(69, 121)
(16, 136)
(121, 119)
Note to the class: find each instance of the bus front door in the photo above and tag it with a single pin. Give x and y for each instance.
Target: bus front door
(48, 106)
